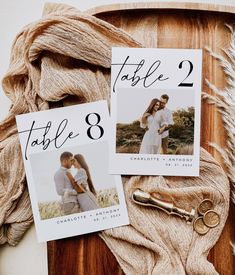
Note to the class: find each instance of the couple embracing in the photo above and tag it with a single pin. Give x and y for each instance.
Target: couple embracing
(156, 120)
(77, 192)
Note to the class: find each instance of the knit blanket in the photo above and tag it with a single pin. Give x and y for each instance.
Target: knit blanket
(67, 54)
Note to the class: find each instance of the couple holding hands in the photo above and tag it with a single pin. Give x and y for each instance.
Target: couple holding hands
(77, 192)
(156, 120)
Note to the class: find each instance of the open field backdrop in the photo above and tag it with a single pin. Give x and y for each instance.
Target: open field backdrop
(106, 198)
(129, 136)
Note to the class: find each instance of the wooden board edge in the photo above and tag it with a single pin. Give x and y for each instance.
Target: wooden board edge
(162, 5)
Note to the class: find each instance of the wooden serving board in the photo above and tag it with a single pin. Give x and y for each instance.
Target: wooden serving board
(163, 25)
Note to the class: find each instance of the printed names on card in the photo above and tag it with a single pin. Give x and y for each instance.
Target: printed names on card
(155, 111)
(65, 154)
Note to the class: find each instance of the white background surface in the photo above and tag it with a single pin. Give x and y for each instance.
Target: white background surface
(29, 257)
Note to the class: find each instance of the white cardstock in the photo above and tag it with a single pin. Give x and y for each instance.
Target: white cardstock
(155, 111)
(44, 137)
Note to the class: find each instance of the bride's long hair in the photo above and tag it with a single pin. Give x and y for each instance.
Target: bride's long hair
(81, 160)
(149, 110)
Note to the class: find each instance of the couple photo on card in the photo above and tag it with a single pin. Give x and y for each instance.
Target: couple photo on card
(77, 192)
(72, 183)
(166, 126)
(70, 187)
(156, 120)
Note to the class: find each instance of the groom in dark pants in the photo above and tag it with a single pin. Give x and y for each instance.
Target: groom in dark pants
(169, 119)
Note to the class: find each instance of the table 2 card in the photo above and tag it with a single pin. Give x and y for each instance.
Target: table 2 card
(155, 111)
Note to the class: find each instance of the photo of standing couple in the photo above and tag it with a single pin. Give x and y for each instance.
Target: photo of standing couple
(156, 122)
(67, 183)
(77, 192)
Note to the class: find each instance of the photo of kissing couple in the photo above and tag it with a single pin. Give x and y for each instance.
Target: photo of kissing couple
(76, 191)
(73, 180)
(162, 123)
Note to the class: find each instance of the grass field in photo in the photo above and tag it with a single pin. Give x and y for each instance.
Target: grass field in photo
(53, 209)
(129, 136)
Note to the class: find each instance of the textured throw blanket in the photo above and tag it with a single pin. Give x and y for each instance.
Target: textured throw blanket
(156, 243)
(68, 53)
(65, 53)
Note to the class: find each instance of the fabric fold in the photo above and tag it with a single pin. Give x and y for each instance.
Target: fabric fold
(66, 53)
(157, 243)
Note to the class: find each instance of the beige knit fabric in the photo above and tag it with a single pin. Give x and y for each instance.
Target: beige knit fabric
(65, 53)
(156, 243)
(69, 53)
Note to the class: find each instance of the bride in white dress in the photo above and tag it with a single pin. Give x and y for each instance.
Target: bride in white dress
(153, 120)
(83, 184)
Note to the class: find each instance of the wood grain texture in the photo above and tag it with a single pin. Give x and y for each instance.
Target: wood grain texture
(86, 254)
(162, 27)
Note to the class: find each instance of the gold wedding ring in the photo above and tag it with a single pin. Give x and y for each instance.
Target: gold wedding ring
(200, 227)
(211, 218)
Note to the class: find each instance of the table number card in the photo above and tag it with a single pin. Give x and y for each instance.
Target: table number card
(65, 154)
(155, 111)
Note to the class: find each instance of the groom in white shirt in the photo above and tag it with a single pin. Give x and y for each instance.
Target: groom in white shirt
(63, 186)
(169, 119)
